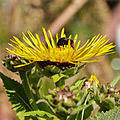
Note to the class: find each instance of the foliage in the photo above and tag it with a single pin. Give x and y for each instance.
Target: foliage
(113, 114)
(41, 97)
(16, 94)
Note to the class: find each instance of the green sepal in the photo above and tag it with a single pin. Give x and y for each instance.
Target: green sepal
(10, 65)
(49, 71)
(52, 70)
(72, 71)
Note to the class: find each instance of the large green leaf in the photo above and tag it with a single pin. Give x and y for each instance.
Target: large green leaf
(113, 114)
(46, 85)
(41, 115)
(16, 94)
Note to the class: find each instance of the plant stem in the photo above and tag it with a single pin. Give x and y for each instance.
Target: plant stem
(27, 89)
(82, 117)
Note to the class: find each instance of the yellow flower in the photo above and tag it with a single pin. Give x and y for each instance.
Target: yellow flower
(94, 78)
(36, 51)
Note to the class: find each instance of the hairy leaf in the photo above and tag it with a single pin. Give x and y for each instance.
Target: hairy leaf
(113, 114)
(16, 94)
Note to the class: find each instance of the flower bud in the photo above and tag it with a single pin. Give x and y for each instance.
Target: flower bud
(11, 61)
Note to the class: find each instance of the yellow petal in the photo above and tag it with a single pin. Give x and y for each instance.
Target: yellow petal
(52, 41)
(46, 38)
(62, 33)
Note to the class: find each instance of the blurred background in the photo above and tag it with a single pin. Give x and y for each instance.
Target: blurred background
(85, 17)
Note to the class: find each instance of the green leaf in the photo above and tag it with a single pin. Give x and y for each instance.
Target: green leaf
(26, 117)
(57, 77)
(16, 94)
(45, 106)
(35, 82)
(46, 85)
(81, 107)
(108, 104)
(78, 84)
(97, 97)
(71, 117)
(83, 95)
(34, 78)
(103, 89)
(113, 114)
(26, 86)
(87, 113)
(42, 115)
(115, 80)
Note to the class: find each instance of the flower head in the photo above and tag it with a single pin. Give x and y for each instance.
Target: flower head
(93, 78)
(89, 82)
(62, 51)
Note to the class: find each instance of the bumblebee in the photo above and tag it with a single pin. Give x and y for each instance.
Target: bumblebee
(64, 41)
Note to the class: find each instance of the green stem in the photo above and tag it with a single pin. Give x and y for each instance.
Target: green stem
(82, 117)
(27, 89)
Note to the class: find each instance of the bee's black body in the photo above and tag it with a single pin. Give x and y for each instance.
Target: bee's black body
(64, 41)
